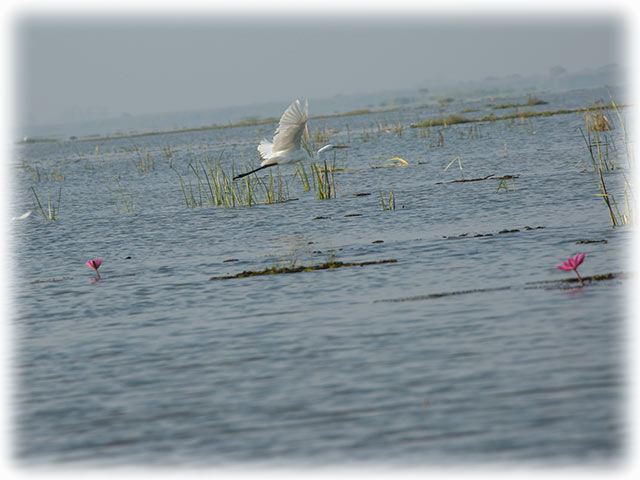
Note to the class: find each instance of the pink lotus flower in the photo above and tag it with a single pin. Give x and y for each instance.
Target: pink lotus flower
(95, 264)
(572, 263)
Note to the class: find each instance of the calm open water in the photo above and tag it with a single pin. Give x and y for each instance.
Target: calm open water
(158, 365)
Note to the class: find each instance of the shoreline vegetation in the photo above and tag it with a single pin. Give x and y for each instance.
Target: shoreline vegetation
(443, 121)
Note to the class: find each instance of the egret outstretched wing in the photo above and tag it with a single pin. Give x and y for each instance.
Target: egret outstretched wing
(290, 129)
(265, 148)
(285, 148)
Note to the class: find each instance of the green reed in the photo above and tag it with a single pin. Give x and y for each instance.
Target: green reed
(146, 162)
(601, 145)
(324, 181)
(390, 203)
(627, 141)
(56, 174)
(302, 174)
(616, 216)
(127, 207)
(504, 183)
(215, 187)
(382, 126)
(457, 157)
(603, 156)
(365, 135)
(275, 190)
(168, 153)
(183, 186)
(52, 212)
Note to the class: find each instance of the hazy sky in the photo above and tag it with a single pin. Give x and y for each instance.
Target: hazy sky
(137, 65)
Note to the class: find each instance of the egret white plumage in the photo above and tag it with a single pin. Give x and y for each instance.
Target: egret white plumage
(285, 147)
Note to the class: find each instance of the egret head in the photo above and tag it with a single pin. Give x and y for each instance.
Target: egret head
(329, 147)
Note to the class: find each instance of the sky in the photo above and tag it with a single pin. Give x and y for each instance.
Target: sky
(137, 64)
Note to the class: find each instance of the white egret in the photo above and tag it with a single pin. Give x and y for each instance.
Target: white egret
(285, 148)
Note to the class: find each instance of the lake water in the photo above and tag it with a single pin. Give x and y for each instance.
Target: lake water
(451, 355)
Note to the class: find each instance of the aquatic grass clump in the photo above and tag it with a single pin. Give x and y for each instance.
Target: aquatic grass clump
(56, 174)
(324, 181)
(600, 146)
(457, 157)
(424, 132)
(273, 191)
(603, 155)
(390, 203)
(168, 151)
(302, 174)
(473, 133)
(365, 135)
(215, 187)
(504, 183)
(627, 141)
(617, 218)
(35, 172)
(146, 162)
(52, 212)
(322, 136)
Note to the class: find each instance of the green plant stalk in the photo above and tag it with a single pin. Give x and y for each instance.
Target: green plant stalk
(52, 216)
(182, 185)
(44, 216)
(459, 166)
(587, 141)
(304, 179)
(200, 184)
(606, 198)
(124, 200)
(624, 131)
(211, 194)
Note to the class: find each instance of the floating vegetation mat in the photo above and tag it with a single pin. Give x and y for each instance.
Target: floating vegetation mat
(63, 279)
(455, 119)
(301, 268)
(591, 279)
(541, 284)
(479, 179)
(431, 296)
(506, 230)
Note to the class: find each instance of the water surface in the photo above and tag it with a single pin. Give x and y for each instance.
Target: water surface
(156, 364)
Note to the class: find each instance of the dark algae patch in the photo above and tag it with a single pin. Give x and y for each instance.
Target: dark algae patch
(432, 296)
(301, 268)
(465, 180)
(540, 284)
(591, 279)
(503, 231)
(591, 240)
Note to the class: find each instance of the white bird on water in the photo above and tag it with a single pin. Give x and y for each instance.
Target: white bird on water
(285, 148)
